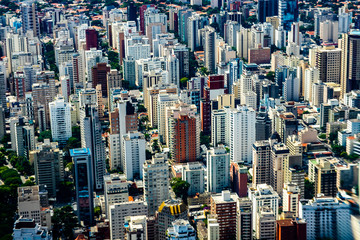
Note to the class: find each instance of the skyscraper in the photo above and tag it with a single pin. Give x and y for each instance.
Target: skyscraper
(267, 8)
(156, 182)
(99, 76)
(242, 133)
(326, 218)
(350, 63)
(83, 184)
(29, 18)
(91, 138)
(48, 165)
(91, 37)
(218, 169)
(60, 121)
(288, 13)
(133, 155)
(209, 48)
(184, 135)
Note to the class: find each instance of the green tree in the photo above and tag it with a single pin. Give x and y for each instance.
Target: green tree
(205, 139)
(309, 189)
(322, 136)
(183, 82)
(66, 191)
(97, 211)
(45, 135)
(270, 75)
(64, 221)
(337, 149)
(180, 188)
(114, 60)
(204, 71)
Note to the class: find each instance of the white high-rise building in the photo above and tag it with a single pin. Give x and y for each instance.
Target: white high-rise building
(117, 214)
(172, 63)
(291, 198)
(156, 182)
(115, 190)
(265, 223)
(137, 47)
(213, 229)
(133, 155)
(29, 18)
(164, 101)
(326, 218)
(90, 130)
(194, 174)
(312, 75)
(60, 121)
(242, 133)
(263, 196)
(218, 127)
(218, 169)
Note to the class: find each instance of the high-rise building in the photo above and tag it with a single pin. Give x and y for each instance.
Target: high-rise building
(24, 140)
(242, 133)
(183, 133)
(169, 211)
(118, 212)
(60, 121)
(285, 125)
(218, 169)
(265, 223)
(113, 80)
(91, 137)
(209, 48)
(48, 165)
(133, 155)
(262, 126)
(194, 174)
(291, 229)
(323, 174)
(25, 228)
(115, 190)
(29, 18)
(328, 61)
(99, 76)
(291, 198)
(244, 219)
(218, 127)
(91, 37)
(279, 155)
(326, 218)
(224, 206)
(83, 184)
(182, 54)
(288, 13)
(349, 77)
(158, 113)
(238, 179)
(136, 227)
(263, 196)
(213, 227)
(156, 182)
(33, 203)
(122, 120)
(261, 162)
(181, 229)
(267, 8)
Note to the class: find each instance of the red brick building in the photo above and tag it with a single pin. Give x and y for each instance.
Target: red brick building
(238, 178)
(259, 55)
(183, 138)
(91, 36)
(224, 206)
(99, 76)
(293, 229)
